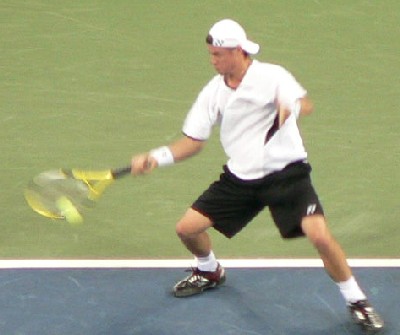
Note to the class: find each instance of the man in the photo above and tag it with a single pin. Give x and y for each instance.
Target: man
(256, 106)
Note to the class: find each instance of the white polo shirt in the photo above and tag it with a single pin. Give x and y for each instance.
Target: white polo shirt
(245, 116)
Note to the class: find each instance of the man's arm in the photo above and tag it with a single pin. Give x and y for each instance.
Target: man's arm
(307, 106)
(177, 151)
(303, 106)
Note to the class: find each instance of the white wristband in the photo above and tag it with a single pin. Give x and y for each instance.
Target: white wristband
(296, 108)
(163, 156)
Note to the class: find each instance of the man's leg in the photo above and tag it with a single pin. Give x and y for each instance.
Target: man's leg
(335, 263)
(332, 255)
(191, 229)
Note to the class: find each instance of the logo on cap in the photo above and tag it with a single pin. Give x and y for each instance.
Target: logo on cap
(218, 42)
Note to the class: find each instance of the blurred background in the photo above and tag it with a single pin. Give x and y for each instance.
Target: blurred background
(90, 83)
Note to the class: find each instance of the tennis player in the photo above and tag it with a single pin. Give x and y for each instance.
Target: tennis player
(256, 106)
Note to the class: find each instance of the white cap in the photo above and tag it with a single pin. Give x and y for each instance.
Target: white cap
(230, 34)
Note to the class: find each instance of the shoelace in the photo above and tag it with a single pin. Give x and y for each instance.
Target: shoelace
(196, 277)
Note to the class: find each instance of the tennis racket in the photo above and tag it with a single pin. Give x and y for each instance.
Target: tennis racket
(67, 193)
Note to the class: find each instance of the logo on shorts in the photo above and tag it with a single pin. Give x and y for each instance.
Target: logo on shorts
(311, 209)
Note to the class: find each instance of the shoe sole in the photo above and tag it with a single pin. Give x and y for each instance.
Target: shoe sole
(367, 329)
(198, 290)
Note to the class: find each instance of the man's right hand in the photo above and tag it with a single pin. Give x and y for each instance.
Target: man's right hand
(143, 164)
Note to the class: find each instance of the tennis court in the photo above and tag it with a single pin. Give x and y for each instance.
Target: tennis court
(124, 298)
(89, 83)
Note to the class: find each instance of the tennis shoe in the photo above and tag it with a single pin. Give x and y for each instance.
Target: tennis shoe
(199, 281)
(364, 315)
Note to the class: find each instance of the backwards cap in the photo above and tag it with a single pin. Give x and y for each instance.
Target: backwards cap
(230, 34)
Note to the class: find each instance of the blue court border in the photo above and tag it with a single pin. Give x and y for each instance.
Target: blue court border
(126, 300)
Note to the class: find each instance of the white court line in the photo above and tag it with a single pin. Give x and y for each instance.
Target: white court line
(184, 263)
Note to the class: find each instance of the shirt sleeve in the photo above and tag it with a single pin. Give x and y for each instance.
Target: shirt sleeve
(289, 89)
(200, 121)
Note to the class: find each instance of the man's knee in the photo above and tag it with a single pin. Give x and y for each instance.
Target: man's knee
(192, 224)
(317, 231)
(183, 228)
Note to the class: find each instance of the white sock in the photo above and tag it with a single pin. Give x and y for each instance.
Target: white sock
(351, 291)
(208, 263)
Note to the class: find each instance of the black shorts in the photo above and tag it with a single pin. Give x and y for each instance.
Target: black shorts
(231, 203)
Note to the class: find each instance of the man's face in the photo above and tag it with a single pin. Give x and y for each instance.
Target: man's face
(224, 60)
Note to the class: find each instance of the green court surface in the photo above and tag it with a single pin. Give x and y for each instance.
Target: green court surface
(89, 83)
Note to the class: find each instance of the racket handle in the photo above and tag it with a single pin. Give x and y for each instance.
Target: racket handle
(121, 172)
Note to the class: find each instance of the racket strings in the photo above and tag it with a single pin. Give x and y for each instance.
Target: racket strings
(54, 193)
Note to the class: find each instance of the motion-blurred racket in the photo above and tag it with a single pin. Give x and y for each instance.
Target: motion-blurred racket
(66, 193)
